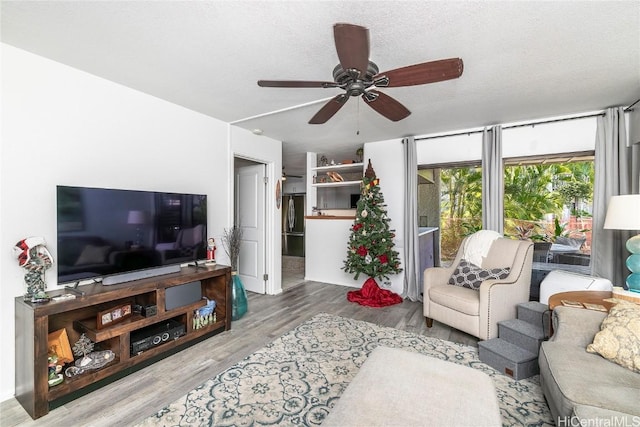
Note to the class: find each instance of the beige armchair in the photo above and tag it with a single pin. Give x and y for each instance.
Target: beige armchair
(477, 312)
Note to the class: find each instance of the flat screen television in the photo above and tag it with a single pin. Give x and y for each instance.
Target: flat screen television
(120, 235)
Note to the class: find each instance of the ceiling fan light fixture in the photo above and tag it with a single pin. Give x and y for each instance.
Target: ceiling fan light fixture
(371, 96)
(381, 81)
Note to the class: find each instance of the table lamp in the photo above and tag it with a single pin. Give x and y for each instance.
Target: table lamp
(623, 213)
(137, 218)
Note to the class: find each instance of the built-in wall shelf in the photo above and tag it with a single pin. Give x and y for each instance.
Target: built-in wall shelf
(354, 169)
(337, 184)
(342, 167)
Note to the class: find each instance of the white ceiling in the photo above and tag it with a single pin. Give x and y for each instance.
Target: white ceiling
(522, 59)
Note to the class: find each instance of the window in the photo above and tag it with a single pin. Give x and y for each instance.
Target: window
(549, 201)
(548, 187)
(460, 206)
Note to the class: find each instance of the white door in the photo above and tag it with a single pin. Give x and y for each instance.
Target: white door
(249, 216)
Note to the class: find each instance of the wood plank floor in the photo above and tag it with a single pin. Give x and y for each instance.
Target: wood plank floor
(133, 398)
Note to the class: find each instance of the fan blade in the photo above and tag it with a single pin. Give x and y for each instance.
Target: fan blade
(295, 83)
(352, 44)
(329, 109)
(385, 105)
(419, 74)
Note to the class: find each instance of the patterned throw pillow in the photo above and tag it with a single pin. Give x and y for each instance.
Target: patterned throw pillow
(619, 338)
(469, 275)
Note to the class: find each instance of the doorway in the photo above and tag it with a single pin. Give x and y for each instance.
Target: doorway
(293, 234)
(250, 216)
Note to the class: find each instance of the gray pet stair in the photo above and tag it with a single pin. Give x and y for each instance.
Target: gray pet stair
(532, 312)
(515, 351)
(522, 334)
(508, 358)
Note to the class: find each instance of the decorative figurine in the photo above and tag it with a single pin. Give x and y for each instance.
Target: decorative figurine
(55, 377)
(211, 250)
(90, 359)
(35, 258)
(83, 347)
(205, 315)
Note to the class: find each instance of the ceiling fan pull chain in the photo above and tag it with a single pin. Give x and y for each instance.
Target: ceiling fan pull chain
(358, 118)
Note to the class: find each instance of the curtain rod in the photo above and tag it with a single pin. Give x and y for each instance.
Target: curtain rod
(586, 116)
(521, 125)
(630, 107)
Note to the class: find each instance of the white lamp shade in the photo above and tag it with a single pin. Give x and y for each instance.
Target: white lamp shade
(136, 217)
(623, 213)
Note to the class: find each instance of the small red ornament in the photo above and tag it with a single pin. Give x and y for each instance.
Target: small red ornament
(362, 251)
(383, 259)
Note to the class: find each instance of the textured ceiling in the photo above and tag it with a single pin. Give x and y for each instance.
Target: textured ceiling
(522, 60)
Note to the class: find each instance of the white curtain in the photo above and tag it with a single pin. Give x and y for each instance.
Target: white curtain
(613, 176)
(492, 180)
(411, 245)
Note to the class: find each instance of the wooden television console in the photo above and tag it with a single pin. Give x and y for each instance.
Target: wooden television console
(35, 321)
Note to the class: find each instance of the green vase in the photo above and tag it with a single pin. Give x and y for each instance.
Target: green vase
(238, 297)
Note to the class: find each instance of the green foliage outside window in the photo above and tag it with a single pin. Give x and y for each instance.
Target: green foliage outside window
(531, 193)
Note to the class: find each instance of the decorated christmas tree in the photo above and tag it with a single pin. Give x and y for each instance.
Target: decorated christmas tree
(370, 250)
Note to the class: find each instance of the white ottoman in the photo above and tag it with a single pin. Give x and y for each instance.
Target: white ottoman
(401, 388)
(564, 281)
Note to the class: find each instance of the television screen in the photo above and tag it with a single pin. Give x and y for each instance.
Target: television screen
(103, 232)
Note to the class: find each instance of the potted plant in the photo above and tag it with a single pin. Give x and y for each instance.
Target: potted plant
(231, 240)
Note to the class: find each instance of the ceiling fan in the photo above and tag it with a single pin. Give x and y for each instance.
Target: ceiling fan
(356, 75)
(285, 176)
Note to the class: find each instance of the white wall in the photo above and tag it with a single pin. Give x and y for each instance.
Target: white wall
(458, 148)
(326, 243)
(550, 138)
(261, 149)
(387, 159)
(543, 139)
(64, 126)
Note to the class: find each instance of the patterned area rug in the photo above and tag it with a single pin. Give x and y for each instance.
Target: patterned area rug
(296, 380)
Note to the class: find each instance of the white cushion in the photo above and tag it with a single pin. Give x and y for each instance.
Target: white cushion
(564, 281)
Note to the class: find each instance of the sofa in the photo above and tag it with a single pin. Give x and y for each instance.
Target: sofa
(80, 257)
(583, 388)
(79, 254)
(189, 246)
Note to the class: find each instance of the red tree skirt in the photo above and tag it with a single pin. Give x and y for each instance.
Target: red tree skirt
(372, 296)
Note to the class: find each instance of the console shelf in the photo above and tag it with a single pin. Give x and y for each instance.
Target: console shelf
(89, 327)
(77, 316)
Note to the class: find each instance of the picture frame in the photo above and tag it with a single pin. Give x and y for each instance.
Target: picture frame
(113, 315)
(58, 343)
